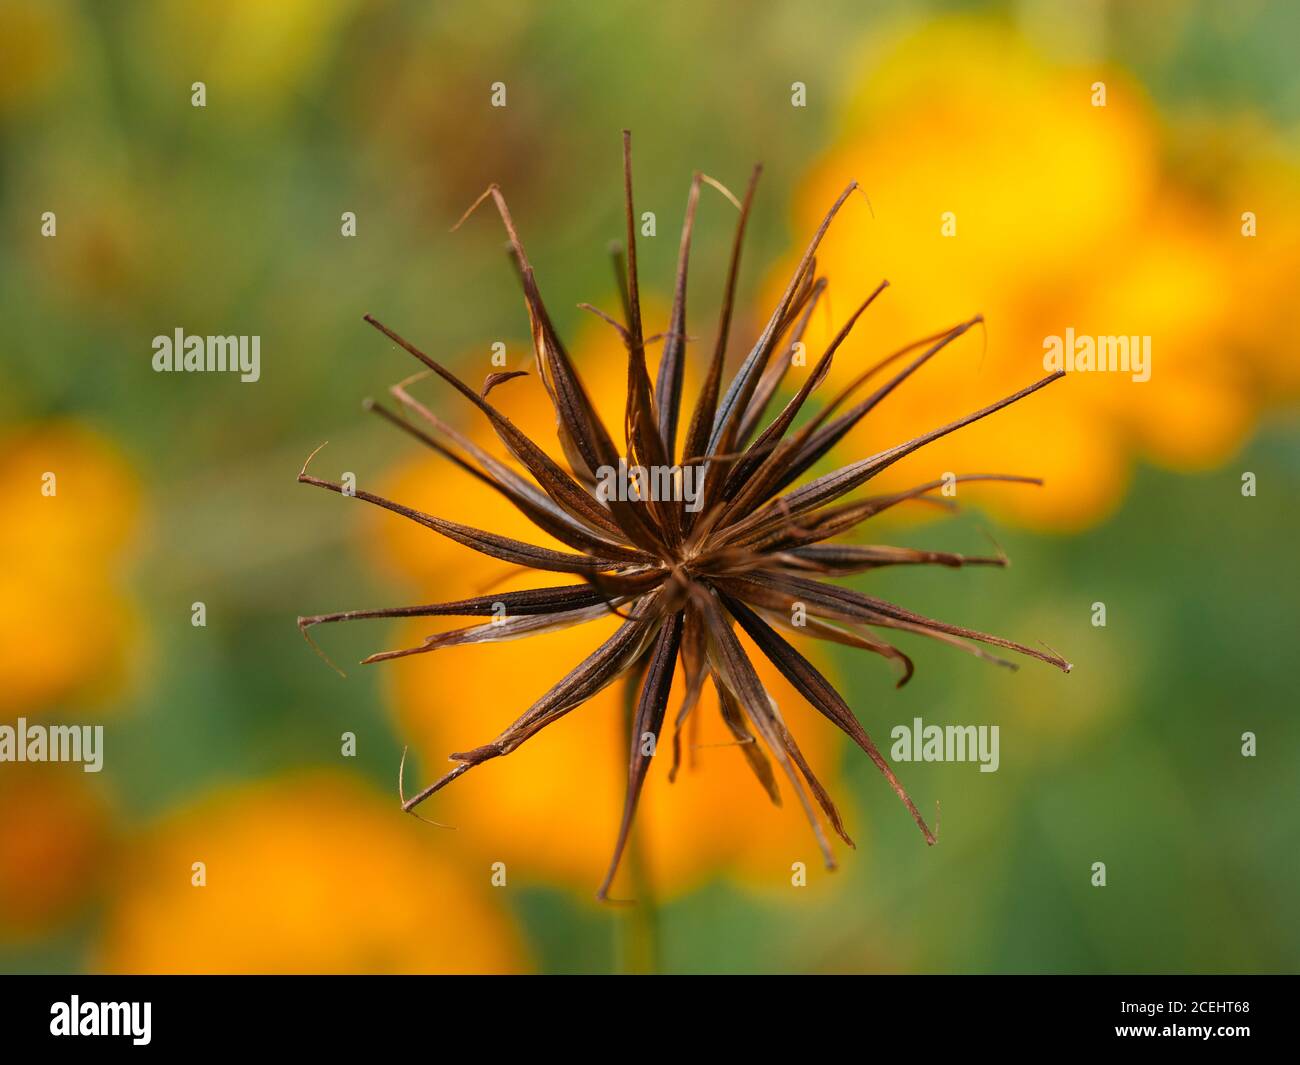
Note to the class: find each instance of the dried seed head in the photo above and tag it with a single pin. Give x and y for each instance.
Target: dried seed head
(684, 548)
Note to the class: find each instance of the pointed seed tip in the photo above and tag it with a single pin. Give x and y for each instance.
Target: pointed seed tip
(302, 473)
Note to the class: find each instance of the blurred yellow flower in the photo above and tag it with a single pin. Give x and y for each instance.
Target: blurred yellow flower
(71, 509)
(54, 847)
(998, 188)
(1260, 182)
(33, 50)
(551, 810)
(309, 873)
(254, 57)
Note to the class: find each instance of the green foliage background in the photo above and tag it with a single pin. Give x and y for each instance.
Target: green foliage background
(226, 220)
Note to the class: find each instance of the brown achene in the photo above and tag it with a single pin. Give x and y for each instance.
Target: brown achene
(755, 550)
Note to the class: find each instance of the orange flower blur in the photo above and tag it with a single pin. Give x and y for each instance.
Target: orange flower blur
(72, 507)
(54, 848)
(304, 874)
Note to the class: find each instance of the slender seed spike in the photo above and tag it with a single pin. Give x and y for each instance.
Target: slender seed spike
(633, 287)
(707, 402)
(668, 386)
(646, 723)
(620, 278)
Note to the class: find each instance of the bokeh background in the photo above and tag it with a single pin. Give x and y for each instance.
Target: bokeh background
(223, 742)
